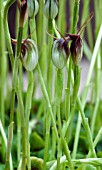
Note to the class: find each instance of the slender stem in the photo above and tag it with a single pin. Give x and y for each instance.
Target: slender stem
(9, 144)
(59, 88)
(77, 133)
(49, 70)
(99, 135)
(75, 15)
(84, 95)
(5, 141)
(23, 127)
(27, 112)
(97, 93)
(86, 127)
(15, 72)
(49, 83)
(96, 49)
(61, 15)
(40, 23)
(43, 61)
(18, 133)
(32, 24)
(16, 88)
(74, 26)
(47, 100)
(73, 102)
(6, 29)
(3, 65)
(48, 123)
(3, 70)
(59, 96)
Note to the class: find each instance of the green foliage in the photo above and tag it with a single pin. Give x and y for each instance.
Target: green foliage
(53, 127)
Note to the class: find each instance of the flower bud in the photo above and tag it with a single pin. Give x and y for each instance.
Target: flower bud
(60, 53)
(51, 9)
(76, 50)
(29, 54)
(33, 8)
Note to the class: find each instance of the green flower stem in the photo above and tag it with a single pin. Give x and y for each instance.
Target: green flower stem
(71, 4)
(47, 99)
(9, 46)
(67, 153)
(6, 29)
(63, 141)
(49, 70)
(59, 88)
(28, 105)
(77, 133)
(84, 13)
(55, 112)
(15, 72)
(46, 151)
(25, 30)
(54, 28)
(3, 70)
(16, 88)
(59, 154)
(3, 66)
(74, 26)
(98, 137)
(86, 127)
(74, 96)
(18, 133)
(75, 20)
(68, 90)
(97, 22)
(32, 24)
(9, 144)
(53, 143)
(43, 60)
(49, 110)
(75, 15)
(61, 16)
(23, 127)
(49, 83)
(5, 141)
(96, 48)
(40, 23)
(97, 94)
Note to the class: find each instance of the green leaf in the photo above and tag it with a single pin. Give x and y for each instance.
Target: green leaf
(88, 167)
(36, 141)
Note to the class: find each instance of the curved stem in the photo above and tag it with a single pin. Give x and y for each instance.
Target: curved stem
(98, 94)
(6, 29)
(96, 48)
